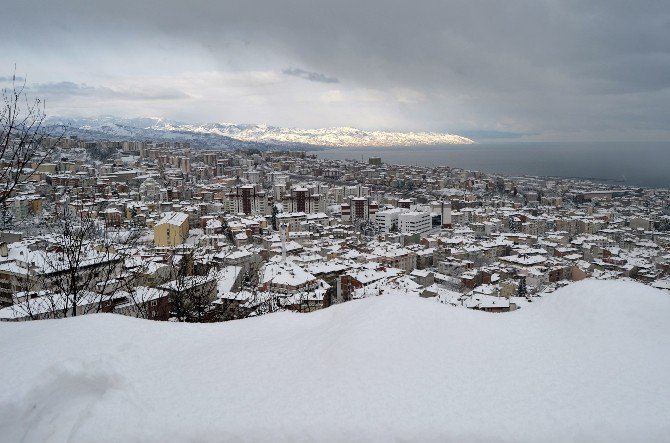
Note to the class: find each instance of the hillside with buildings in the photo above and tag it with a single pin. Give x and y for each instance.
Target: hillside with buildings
(159, 230)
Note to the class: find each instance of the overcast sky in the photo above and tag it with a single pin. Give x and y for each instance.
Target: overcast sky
(541, 69)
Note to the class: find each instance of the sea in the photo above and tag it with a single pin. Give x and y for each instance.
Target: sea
(638, 164)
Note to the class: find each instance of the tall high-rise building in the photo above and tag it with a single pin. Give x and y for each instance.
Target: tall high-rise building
(303, 200)
(245, 199)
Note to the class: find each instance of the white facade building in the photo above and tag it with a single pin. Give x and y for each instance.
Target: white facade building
(413, 222)
(388, 218)
(444, 209)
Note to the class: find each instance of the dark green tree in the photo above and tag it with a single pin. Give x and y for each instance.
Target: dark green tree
(521, 291)
(394, 227)
(274, 217)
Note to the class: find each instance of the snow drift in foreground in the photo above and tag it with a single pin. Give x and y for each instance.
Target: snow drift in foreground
(589, 362)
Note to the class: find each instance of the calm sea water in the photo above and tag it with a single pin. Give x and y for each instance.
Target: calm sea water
(636, 164)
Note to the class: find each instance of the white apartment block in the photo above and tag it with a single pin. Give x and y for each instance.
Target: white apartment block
(388, 218)
(413, 222)
(357, 191)
(253, 176)
(291, 219)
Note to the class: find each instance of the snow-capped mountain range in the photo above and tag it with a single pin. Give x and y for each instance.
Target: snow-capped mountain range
(140, 128)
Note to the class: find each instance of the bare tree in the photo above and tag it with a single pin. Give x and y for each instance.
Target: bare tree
(191, 295)
(25, 139)
(242, 302)
(148, 303)
(80, 269)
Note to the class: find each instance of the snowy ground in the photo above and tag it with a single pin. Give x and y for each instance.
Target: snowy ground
(589, 362)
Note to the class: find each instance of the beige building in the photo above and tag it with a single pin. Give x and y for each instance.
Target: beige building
(171, 230)
(22, 206)
(46, 167)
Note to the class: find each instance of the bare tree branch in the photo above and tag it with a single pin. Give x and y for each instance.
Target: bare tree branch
(25, 140)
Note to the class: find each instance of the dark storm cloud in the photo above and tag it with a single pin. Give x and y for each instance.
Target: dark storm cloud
(72, 89)
(493, 135)
(514, 66)
(11, 79)
(311, 76)
(67, 88)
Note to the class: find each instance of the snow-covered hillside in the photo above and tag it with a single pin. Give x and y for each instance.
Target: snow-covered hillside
(335, 137)
(587, 363)
(332, 137)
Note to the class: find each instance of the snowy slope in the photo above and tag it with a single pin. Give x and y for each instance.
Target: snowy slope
(334, 137)
(152, 129)
(589, 362)
(331, 137)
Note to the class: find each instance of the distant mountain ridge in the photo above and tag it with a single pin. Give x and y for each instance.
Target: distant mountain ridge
(139, 128)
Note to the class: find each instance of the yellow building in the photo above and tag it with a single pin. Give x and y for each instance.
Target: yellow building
(171, 230)
(22, 206)
(36, 205)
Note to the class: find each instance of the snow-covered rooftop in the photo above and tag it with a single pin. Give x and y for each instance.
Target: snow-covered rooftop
(173, 218)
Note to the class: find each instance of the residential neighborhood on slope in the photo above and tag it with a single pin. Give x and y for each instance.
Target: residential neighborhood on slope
(166, 231)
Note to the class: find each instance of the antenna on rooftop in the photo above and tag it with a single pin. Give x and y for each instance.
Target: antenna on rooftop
(282, 235)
